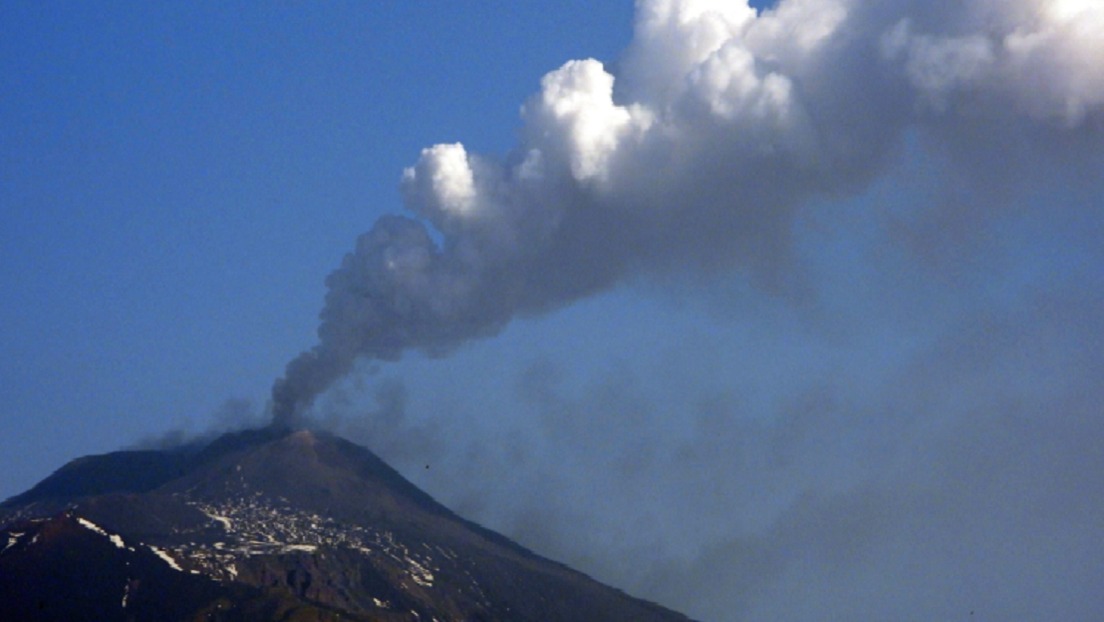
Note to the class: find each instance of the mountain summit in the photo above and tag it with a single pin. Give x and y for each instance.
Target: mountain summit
(272, 525)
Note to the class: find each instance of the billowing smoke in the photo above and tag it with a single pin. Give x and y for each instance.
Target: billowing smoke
(719, 125)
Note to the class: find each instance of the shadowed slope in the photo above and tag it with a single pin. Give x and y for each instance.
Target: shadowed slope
(316, 523)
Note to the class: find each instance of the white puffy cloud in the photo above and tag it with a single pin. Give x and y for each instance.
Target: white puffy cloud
(443, 182)
(1040, 65)
(575, 120)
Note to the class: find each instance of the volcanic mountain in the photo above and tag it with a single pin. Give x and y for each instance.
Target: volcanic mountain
(271, 524)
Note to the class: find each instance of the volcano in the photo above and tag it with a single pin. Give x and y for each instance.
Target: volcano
(272, 524)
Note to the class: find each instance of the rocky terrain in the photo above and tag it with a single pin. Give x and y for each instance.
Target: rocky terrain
(272, 525)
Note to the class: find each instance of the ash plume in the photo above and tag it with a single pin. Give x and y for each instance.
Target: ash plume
(720, 125)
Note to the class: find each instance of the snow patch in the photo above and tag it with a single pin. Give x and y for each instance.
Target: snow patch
(89, 525)
(93, 527)
(419, 573)
(222, 520)
(168, 559)
(13, 538)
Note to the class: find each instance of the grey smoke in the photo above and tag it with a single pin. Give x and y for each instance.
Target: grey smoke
(698, 155)
(230, 416)
(965, 478)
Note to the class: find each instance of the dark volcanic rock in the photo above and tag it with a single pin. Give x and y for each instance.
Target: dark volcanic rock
(67, 568)
(272, 525)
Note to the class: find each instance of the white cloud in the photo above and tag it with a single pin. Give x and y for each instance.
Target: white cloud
(575, 119)
(445, 183)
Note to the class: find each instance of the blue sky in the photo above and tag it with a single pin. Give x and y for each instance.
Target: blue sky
(820, 311)
(178, 182)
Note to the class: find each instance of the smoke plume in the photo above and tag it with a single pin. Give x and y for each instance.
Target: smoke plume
(697, 153)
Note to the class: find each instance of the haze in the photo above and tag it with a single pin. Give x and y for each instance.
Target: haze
(762, 312)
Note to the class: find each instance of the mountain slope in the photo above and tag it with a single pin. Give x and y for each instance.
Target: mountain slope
(273, 524)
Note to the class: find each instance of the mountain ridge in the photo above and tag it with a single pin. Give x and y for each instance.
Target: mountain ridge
(320, 525)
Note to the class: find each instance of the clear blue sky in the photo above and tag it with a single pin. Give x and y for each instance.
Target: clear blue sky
(821, 315)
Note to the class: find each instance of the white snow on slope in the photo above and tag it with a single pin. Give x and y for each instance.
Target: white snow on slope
(89, 525)
(13, 538)
(115, 538)
(168, 560)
